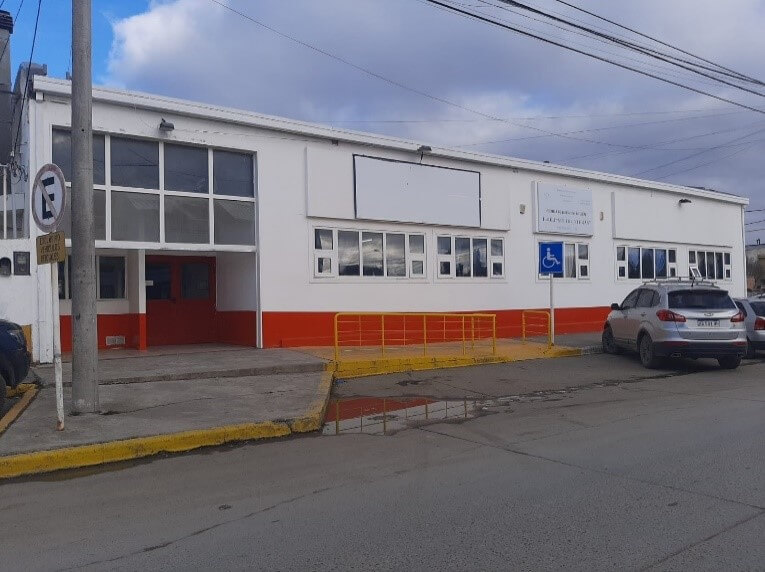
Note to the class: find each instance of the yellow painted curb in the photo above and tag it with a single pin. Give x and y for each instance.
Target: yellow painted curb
(29, 393)
(19, 389)
(314, 420)
(100, 453)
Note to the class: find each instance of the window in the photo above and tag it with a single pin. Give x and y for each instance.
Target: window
(712, 265)
(576, 261)
(368, 254)
(158, 281)
(62, 155)
(234, 222)
(135, 217)
(630, 300)
(187, 220)
(647, 299)
(646, 263)
(700, 299)
(135, 163)
(186, 168)
(195, 281)
(465, 257)
(111, 277)
(233, 174)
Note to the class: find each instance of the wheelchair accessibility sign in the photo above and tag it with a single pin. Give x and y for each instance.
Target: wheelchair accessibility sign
(551, 258)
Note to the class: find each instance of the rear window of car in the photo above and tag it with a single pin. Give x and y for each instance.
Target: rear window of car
(700, 300)
(759, 308)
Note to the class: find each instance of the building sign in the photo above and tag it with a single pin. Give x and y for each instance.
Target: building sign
(563, 211)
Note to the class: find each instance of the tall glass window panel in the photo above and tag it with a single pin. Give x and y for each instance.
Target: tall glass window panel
(620, 253)
(186, 168)
(62, 155)
(395, 255)
(462, 253)
(647, 263)
(111, 277)
(135, 217)
(661, 263)
(701, 259)
(633, 263)
(187, 220)
(233, 174)
(569, 264)
(480, 263)
(444, 245)
(348, 256)
(135, 163)
(234, 222)
(718, 265)
(99, 214)
(710, 265)
(322, 239)
(372, 253)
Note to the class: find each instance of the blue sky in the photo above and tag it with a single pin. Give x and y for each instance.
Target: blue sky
(53, 46)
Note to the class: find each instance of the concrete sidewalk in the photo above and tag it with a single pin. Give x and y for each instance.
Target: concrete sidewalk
(175, 407)
(188, 362)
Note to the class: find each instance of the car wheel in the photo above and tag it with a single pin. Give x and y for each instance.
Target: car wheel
(609, 343)
(647, 356)
(729, 362)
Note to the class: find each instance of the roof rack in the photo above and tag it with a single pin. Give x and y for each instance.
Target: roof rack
(680, 280)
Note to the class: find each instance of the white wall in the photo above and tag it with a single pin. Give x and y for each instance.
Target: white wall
(236, 281)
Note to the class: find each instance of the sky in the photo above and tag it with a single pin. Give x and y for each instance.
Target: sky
(409, 69)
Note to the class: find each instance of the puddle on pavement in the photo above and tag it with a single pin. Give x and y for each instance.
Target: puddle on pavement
(379, 416)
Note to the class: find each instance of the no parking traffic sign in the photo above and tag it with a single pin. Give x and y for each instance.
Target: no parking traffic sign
(48, 197)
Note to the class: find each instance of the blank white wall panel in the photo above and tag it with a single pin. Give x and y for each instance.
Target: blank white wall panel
(410, 192)
(329, 181)
(660, 217)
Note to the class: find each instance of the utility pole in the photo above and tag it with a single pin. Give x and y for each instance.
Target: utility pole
(84, 313)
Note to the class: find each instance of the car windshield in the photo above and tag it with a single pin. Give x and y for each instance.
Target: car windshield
(759, 308)
(700, 300)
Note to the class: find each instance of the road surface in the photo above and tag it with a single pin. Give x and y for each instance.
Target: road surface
(664, 474)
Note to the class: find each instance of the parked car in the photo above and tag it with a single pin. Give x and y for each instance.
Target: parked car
(14, 357)
(754, 314)
(677, 318)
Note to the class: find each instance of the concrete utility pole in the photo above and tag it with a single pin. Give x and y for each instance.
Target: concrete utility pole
(84, 314)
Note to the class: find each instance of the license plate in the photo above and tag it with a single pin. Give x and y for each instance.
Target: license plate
(708, 323)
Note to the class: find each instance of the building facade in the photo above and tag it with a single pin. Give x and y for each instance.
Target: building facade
(220, 225)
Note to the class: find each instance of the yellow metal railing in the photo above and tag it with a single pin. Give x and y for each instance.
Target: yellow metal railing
(537, 323)
(365, 335)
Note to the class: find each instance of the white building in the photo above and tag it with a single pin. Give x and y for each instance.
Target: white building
(241, 228)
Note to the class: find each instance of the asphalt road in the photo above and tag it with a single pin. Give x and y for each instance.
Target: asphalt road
(665, 474)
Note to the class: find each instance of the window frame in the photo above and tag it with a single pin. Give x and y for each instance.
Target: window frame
(334, 255)
(623, 265)
(726, 270)
(67, 275)
(451, 258)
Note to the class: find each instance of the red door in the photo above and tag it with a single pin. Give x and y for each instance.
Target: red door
(180, 300)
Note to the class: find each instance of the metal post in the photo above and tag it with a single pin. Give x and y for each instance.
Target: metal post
(57, 373)
(552, 312)
(424, 334)
(84, 313)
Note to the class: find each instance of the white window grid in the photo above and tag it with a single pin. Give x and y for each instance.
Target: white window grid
(581, 270)
(67, 285)
(326, 260)
(622, 265)
(451, 257)
(107, 187)
(695, 256)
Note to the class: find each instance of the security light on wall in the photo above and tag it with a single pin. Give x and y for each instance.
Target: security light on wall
(684, 202)
(424, 149)
(166, 126)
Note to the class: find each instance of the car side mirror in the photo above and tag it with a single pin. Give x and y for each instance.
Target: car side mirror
(615, 306)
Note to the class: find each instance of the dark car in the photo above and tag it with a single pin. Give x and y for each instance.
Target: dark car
(14, 357)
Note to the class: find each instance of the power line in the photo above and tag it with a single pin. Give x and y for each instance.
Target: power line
(29, 67)
(645, 50)
(755, 222)
(754, 211)
(716, 160)
(588, 54)
(424, 93)
(755, 230)
(623, 27)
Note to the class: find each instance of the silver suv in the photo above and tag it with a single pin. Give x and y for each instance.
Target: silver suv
(677, 318)
(754, 321)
